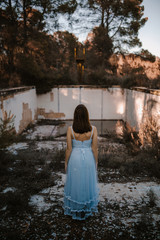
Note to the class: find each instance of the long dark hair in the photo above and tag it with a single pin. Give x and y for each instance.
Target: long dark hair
(81, 123)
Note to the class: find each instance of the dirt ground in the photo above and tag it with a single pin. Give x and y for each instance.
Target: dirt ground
(32, 180)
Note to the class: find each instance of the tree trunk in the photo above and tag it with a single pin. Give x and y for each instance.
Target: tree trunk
(24, 26)
(11, 49)
(102, 17)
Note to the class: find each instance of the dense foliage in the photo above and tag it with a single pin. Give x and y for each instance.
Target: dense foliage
(31, 55)
(28, 53)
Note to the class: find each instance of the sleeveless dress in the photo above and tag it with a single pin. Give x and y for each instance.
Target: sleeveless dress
(81, 187)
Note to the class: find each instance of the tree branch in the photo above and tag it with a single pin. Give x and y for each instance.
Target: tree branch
(117, 28)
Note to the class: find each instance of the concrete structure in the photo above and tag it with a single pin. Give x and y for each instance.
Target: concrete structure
(22, 103)
(139, 102)
(102, 103)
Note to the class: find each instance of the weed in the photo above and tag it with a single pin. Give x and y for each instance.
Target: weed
(7, 130)
(155, 169)
(13, 234)
(5, 160)
(17, 201)
(149, 134)
(152, 198)
(130, 137)
(131, 168)
(57, 162)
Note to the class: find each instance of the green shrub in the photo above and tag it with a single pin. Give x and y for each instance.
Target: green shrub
(7, 130)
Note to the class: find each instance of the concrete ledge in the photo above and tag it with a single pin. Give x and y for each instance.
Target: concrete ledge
(8, 91)
(139, 89)
(85, 86)
(147, 90)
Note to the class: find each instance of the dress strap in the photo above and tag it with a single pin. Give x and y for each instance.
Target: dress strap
(92, 132)
(72, 132)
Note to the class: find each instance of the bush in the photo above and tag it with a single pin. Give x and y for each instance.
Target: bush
(7, 130)
(146, 55)
(130, 136)
(152, 198)
(149, 134)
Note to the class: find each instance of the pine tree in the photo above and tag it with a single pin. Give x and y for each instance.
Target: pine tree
(25, 46)
(121, 20)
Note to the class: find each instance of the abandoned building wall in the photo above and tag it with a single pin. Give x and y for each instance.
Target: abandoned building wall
(141, 103)
(59, 103)
(114, 103)
(22, 103)
(101, 103)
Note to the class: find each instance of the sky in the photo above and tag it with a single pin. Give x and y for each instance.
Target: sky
(150, 33)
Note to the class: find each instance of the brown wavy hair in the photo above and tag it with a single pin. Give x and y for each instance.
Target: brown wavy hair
(81, 123)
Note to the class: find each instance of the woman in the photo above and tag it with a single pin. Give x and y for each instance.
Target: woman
(81, 160)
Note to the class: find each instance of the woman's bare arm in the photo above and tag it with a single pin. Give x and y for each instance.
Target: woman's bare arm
(95, 145)
(69, 147)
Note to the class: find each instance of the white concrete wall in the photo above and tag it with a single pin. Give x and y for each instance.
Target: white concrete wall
(114, 104)
(101, 103)
(140, 103)
(69, 98)
(15, 102)
(49, 101)
(91, 98)
(111, 104)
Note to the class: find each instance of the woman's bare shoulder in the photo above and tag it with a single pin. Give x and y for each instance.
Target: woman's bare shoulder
(94, 129)
(69, 129)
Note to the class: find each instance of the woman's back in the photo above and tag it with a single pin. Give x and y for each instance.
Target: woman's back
(81, 190)
(82, 136)
(83, 140)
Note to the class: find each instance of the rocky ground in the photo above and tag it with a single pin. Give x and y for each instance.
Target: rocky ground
(31, 192)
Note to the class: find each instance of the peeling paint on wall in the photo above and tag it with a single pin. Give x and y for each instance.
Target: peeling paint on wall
(102, 103)
(51, 97)
(26, 117)
(111, 103)
(22, 104)
(1, 105)
(49, 115)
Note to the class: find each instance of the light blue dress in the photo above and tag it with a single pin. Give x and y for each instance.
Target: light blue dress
(81, 188)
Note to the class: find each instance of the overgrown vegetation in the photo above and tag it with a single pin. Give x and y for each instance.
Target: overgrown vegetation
(152, 198)
(149, 134)
(34, 169)
(147, 138)
(31, 55)
(143, 146)
(7, 130)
